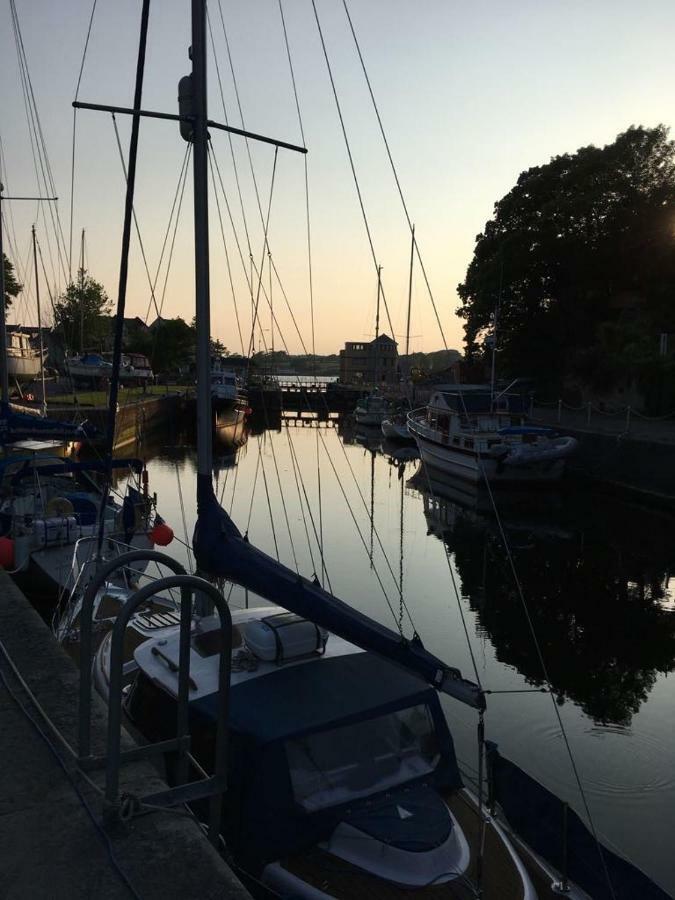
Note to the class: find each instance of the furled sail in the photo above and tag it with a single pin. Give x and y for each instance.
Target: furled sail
(220, 550)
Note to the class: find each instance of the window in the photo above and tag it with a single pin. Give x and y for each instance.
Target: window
(341, 764)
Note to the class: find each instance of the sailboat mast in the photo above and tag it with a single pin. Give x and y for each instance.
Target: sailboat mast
(406, 374)
(377, 324)
(81, 281)
(201, 212)
(39, 315)
(4, 375)
(407, 325)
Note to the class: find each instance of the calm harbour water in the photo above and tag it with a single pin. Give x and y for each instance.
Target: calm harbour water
(595, 573)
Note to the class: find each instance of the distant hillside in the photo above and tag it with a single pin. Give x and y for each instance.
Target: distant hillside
(436, 361)
(280, 361)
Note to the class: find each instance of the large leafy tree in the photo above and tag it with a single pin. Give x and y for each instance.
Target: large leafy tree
(12, 286)
(172, 343)
(82, 313)
(565, 245)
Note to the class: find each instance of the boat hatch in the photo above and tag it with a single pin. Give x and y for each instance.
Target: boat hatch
(152, 620)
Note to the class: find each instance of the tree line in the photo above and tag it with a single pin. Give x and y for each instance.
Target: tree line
(577, 264)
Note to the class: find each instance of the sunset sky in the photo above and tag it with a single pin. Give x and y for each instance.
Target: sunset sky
(470, 95)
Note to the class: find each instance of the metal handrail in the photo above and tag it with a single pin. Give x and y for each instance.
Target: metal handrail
(86, 629)
(215, 786)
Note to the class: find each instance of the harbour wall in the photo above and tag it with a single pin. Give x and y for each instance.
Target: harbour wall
(135, 421)
(639, 466)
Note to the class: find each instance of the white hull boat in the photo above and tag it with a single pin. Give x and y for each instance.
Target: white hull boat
(464, 434)
(226, 388)
(89, 366)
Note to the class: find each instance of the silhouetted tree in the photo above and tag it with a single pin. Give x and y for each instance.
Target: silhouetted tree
(12, 286)
(569, 241)
(82, 313)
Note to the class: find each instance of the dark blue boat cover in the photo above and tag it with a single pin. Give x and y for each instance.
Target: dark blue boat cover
(299, 699)
(220, 550)
(46, 465)
(17, 426)
(264, 820)
(537, 816)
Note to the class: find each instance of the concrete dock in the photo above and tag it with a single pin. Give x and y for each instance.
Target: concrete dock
(634, 456)
(53, 844)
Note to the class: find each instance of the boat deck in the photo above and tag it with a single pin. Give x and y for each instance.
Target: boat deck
(500, 879)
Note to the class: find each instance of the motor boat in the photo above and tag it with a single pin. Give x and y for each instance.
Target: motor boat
(471, 435)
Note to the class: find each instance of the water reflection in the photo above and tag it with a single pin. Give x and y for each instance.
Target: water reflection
(595, 575)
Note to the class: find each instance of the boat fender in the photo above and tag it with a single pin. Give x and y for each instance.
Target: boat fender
(161, 533)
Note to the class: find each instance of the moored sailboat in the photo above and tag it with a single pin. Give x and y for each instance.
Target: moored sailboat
(344, 780)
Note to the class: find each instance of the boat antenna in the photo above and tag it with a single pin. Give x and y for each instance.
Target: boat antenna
(43, 405)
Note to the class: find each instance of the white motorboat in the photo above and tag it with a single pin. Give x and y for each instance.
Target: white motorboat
(226, 387)
(24, 360)
(135, 368)
(471, 435)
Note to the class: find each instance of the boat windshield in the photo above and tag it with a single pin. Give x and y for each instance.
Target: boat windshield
(339, 765)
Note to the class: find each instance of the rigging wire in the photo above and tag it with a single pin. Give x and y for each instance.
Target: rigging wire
(318, 537)
(258, 272)
(544, 669)
(255, 481)
(184, 520)
(177, 199)
(72, 156)
(173, 237)
(269, 502)
(395, 173)
(265, 245)
(36, 126)
(320, 437)
(351, 158)
(151, 284)
(227, 254)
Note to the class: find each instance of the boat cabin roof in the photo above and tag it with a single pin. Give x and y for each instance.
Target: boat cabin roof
(274, 701)
(477, 402)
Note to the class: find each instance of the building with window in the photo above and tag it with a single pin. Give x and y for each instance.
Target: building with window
(374, 362)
